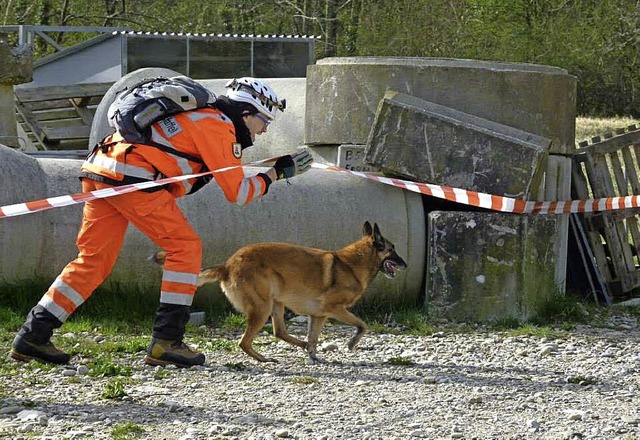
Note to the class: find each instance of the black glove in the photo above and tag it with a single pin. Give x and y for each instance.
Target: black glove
(293, 164)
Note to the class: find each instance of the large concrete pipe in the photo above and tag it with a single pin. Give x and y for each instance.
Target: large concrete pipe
(320, 208)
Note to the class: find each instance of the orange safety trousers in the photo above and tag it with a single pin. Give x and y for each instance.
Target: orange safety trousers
(104, 224)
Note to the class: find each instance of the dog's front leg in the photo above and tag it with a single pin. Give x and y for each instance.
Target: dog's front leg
(315, 327)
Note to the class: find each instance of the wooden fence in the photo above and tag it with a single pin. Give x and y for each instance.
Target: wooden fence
(609, 167)
(58, 117)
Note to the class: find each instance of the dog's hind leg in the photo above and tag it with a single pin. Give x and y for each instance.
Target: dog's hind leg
(255, 321)
(280, 329)
(347, 317)
(315, 327)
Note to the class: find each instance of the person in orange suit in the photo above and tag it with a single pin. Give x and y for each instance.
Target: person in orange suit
(190, 142)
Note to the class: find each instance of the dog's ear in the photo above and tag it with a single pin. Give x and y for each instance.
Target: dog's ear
(366, 229)
(378, 239)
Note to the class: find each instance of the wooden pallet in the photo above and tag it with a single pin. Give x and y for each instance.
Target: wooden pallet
(608, 166)
(58, 117)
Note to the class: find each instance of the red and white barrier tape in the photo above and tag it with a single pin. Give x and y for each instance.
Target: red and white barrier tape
(466, 197)
(500, 203)
(73, 199)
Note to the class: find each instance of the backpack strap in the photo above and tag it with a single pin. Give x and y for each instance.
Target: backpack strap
(173, 151)
(104, 147)
(126, 181)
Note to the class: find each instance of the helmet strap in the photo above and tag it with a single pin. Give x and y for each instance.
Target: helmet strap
(236, 111)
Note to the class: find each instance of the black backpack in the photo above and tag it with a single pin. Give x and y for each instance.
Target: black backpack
(137, 107)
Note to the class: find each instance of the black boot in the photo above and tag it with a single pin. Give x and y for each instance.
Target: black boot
(167, 346)
(33, 340)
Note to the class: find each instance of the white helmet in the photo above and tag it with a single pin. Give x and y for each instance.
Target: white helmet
(256, 93)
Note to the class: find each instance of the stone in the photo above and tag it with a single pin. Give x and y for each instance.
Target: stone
(500, 249)
(431, 143)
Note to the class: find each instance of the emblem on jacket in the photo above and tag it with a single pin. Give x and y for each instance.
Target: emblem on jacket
(170, 126)
(237, 150)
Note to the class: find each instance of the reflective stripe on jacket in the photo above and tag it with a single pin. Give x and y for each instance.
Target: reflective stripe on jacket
(206, 134)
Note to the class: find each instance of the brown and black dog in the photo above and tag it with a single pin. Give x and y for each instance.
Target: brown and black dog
(262, 279)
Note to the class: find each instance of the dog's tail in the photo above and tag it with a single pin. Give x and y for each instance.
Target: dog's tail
(158, 257)
(210, 275)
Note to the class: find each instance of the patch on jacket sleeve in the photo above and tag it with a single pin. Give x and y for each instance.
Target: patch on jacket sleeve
(170, 126)
(237, 150)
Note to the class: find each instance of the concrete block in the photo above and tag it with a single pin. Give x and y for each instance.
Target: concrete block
(343, 94)
(432, 143)
(487, 267)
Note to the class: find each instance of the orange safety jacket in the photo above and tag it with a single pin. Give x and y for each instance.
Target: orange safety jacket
(187, 143)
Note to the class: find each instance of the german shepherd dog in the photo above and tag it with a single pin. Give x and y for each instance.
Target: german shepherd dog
(262, 279)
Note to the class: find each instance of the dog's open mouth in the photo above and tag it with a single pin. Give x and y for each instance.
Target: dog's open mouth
(389, 268)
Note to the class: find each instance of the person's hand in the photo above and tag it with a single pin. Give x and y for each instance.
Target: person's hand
(293, 164)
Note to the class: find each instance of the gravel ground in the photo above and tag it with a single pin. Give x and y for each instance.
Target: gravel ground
(474, 385)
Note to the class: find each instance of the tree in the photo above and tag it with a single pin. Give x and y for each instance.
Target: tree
(596, 40)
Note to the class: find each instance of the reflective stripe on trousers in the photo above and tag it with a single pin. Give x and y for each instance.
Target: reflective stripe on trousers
(100, 239)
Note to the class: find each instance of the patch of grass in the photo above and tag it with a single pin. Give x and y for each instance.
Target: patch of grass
(406, 319)
(127, 431)
(11, 367)
(582, 380)
(114, 389)
(379, 327)
(562, 308)
(416, 321)
(532, 330)
(587, 127)
(130, 345)
(234, 322)
(20, 296)
(161, 373)
(401, 361)
(505, 324)
(235, 366)
(222, 345)
(105, 367)
(35, 379)
(304, 380)
(10, 320)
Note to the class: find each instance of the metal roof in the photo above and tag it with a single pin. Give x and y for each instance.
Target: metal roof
(221, 36)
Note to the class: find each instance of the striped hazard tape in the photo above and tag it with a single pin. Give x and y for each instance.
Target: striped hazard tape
(73, 199)
(457, 195)
(500, 203)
